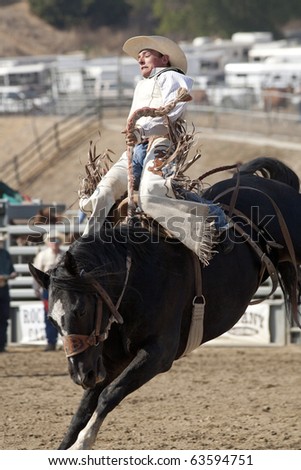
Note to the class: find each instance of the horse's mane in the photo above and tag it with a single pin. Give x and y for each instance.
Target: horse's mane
(271, 168)
(102, 258)
(112, 244)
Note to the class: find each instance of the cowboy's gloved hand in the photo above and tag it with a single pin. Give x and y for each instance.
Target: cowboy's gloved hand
(133, 138)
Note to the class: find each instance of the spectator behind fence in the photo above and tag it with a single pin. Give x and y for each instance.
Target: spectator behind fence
(7, 271)
(46, 259)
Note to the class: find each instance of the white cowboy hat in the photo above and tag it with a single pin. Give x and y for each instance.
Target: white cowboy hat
(161, 44)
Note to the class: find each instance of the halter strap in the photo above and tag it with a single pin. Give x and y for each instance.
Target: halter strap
(75, 343)
(107, 299)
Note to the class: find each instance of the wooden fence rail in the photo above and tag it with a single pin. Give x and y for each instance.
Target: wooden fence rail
(63, 136)
(52, 144)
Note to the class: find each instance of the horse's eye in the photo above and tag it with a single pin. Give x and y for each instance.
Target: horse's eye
(82, 310)
(82, 313)
(88, 306)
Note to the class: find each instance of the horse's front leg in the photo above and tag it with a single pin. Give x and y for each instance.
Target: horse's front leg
(84, 412)
(148, 362)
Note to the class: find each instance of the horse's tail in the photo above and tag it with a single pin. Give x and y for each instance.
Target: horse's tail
(291, 288)
(271, 168)
(289, 275)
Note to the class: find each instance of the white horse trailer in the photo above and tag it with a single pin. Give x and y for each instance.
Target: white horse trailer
(263, 74)
(276, 54)
(31, 75)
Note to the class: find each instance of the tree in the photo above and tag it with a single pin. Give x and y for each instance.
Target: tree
(223, 17)
(65, 14)
(141, 16)
(174, 18)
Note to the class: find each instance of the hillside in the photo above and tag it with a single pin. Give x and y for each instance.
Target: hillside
(21, 33)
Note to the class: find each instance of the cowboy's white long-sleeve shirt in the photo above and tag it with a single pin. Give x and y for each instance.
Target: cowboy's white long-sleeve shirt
(158, 90)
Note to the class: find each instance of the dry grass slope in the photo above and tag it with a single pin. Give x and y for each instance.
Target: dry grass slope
(22, 33)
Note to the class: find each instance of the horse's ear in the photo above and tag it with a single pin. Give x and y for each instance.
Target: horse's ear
(70, 264)
(42, 278)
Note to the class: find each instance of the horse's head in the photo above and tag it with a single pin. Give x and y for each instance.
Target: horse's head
(83, 312)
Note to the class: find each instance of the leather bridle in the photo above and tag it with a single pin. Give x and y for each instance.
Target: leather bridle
(75, 343)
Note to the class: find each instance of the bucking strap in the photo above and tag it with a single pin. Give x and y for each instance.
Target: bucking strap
(198, 310)
(265, 260)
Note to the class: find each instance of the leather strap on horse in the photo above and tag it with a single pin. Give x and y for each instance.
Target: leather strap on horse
(76, 343)
(265, 260)
(195, 335)
(107, 299)
(234, 195)
(288, 242)
(282, 223)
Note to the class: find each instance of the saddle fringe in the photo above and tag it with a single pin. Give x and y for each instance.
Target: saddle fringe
(96, 167)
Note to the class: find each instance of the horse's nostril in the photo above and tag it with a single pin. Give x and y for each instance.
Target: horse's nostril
(101, 373)
(89, 379)
(90, 375)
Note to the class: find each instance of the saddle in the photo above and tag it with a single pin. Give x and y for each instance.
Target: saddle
(119, 215)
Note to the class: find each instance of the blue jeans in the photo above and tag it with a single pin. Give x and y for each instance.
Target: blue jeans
(217, 212)
(4, 315)
(50, 330)
(138, 159)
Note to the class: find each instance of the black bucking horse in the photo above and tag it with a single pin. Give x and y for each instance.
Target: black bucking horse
(122, 325)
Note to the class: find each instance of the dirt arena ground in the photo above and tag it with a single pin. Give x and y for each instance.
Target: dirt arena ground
(216, 398)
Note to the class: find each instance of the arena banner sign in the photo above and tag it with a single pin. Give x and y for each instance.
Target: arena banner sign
(252, 329)
(31, 323)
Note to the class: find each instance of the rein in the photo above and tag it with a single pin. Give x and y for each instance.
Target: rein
(75, 343)
(182, 96)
